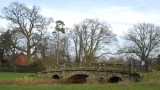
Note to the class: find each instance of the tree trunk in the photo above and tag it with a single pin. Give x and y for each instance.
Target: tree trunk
(1, 56)
(57, 51)
(145, 66)
(28, 52)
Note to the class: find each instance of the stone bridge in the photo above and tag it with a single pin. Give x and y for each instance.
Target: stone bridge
(101, 72)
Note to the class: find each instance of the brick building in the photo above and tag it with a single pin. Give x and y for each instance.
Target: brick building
(18, 59)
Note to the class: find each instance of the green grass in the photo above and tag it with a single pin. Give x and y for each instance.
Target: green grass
(151, 75)
(82, 87)
(151, 81)
(12, 76)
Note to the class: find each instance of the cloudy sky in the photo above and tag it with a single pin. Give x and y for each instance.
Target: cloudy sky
(120, 14)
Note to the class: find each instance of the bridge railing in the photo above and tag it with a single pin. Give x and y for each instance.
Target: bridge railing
(94, 66)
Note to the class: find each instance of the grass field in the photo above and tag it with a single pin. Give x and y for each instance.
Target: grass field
(12, 76)
(151, 81)
(82, 87)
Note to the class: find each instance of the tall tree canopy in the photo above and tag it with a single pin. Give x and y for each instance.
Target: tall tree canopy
(58, 28)
(89, 37)
(142, 40)
(27, 21)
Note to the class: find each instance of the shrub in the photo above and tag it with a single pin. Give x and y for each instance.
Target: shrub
(36, 66)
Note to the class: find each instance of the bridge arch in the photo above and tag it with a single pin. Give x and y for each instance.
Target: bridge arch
(79, 76)
(56, 76)
(115, 78)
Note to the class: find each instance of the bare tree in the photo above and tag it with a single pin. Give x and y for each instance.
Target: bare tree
(64, 49)
(90, 37)
(77, 39)
(142, 40)
(42, 48)
(46, 49)
(28, 22)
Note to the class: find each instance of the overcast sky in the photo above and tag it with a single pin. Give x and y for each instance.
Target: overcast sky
(120, 14)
